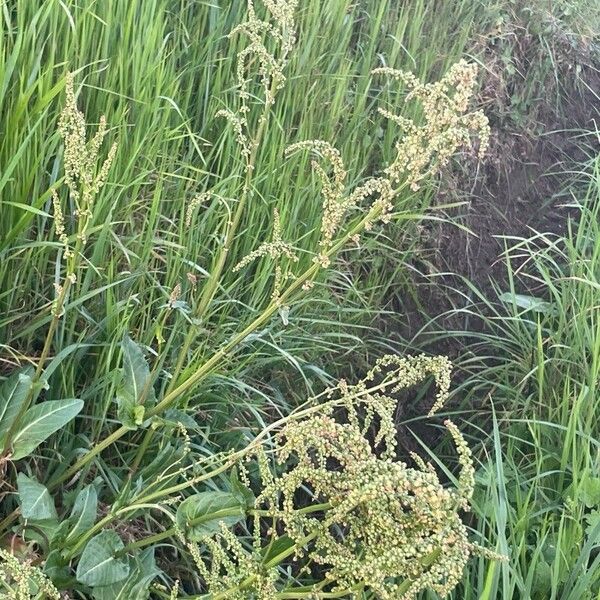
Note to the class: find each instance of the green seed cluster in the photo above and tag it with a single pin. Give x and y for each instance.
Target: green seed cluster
(22, 581)
(335, 203)
(372, 522)
(83, 177)
(420, 152)
(276, 249)
(270, 41)
(390, 527)
(231, 570)
(427, 147)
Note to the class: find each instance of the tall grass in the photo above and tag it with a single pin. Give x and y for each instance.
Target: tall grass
(163, 415)
(160, 70)
(532, 375)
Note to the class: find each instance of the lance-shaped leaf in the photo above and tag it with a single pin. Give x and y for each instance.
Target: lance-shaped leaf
(84, 512)
(13, 392)
(136, 385)
(40, 422)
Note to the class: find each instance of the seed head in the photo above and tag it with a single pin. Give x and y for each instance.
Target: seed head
(24, 580)
(275, 250)
(427, 147)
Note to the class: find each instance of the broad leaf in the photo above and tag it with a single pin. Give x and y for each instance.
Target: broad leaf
(43, 533)
(200, 516)
(142, 571)
(57, 569)
(40, 422)
(13, 393)
(593, 523)
(528, 303)
(84, 512)
(136, 385)
(36, 502)
(99, 565)
(541, 584)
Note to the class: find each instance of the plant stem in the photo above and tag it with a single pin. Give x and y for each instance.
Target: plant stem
(221, 355)
(212, 284)
(167, 533)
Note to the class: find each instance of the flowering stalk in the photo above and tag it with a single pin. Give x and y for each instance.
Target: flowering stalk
(226, 460)
(219, 357)
(453, 132)
(271, 70)
(371, 521)
(282, 28)
(84, 180)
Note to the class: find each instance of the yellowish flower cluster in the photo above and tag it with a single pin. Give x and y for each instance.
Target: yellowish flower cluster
(82, 176)
(426, 148)
(280, 30)
(275, 249)
(373, 524)
(59, 220)
(402, 533)
(232, 571)
(270, 42)
(22, 581)
(421, 152)
(197, 201)
(335, 203)
(239, 125)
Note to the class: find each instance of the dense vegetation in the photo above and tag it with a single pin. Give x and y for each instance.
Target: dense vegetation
(239, 243)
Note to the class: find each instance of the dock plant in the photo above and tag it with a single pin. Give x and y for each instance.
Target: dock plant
(316, 505)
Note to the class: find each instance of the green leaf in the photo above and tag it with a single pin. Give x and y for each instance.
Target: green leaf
(57, 569)
(528, 303)
(200, 516)
(99, 565)
(542, 580)
(84, 512)
(279, 546)
(589, 491)
(42, 532)
(40, 422)
(142, 571)
(36, 502)
(593, 522)
(13, 392)
(173, 416)
(136, 385)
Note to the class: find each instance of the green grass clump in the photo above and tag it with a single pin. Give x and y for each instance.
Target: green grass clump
(160, 99)
(532, 371)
